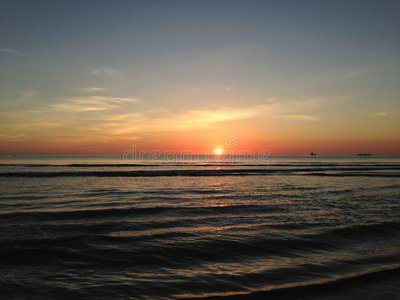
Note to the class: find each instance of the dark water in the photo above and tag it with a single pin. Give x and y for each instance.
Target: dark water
(294, 228)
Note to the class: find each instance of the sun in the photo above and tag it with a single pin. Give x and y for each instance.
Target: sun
(218, 151)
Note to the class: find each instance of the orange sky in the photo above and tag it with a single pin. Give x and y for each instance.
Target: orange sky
(204, 145)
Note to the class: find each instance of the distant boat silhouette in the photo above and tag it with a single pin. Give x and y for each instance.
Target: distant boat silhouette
(312, 153)
(364, 154)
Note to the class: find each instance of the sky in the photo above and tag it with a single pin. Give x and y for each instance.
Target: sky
(289, 77)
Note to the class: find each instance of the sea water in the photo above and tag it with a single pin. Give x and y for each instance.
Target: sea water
(288, 228)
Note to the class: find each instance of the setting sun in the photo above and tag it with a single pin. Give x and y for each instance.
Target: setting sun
(218, 151)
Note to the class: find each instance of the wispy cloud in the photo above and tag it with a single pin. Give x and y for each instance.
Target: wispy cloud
(112, 73)
(352, 73)
(270, 100)
(91, 103)
(29, 93)
(119, 119)
(92, 90)
(14, 52)
(204, 118)
(116, 117)
(381, 114)
(160, 121)
(308, 118)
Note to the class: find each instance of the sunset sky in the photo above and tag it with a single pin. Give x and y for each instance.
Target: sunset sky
(291, 77)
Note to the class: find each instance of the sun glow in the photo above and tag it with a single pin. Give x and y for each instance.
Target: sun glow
(218, 151)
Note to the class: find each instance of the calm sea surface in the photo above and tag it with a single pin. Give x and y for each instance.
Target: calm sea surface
(287, 228)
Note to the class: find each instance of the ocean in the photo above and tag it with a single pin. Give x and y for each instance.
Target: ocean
(291, 227)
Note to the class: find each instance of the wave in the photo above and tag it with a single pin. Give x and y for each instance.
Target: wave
(187, 247)
(321, 289)
(216, 172)
(207, 164)
(136, 211)
(208, 262)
